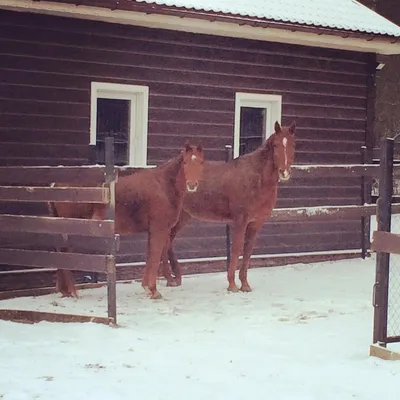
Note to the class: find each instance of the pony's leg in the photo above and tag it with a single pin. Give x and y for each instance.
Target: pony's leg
(169, 254)
(250, 238)
(66, 283)
(239, 229)
(165, 266)
(175, 266)
(157, 239)
(65, 280)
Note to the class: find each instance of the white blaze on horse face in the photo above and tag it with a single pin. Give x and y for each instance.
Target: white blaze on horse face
(284, 142)
(193, 157)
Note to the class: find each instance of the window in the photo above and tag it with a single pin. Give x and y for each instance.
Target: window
(255, 116)
(120, 111)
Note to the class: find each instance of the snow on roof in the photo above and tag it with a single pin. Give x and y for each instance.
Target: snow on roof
(346, 15)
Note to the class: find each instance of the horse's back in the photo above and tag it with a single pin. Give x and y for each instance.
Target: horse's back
(229, 189)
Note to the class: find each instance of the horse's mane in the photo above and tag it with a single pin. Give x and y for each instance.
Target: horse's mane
(172, 163)
(264, 148)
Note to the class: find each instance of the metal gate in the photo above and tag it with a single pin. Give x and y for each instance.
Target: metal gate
(386, 242)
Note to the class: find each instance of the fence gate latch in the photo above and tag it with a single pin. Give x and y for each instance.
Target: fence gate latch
(374, 290)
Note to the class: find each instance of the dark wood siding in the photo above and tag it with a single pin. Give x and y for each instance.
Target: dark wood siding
(47, 64)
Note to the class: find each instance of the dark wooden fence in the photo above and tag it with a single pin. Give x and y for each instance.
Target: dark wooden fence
(96, 185)
(93, 184)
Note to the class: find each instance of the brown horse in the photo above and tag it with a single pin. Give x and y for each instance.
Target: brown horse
(242, 192)
(147, 200)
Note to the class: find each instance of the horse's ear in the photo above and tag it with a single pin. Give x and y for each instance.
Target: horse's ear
(200, 147)
(292, 127)
(277, 127)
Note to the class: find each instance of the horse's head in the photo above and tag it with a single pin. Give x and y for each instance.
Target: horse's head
(193, 160)
(283, 143)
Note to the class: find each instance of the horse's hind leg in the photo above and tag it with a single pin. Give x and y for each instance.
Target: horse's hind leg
(65, 280)
(169, 254)
(250, 238)
(239, 229)
(65, 283)
(165, 266)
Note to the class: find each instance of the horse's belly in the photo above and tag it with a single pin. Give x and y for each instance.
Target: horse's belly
(206, 210)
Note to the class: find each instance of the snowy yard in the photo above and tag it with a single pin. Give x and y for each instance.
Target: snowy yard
(303, 333)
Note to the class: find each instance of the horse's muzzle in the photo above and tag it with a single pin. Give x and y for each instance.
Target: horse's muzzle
(284, 175)
(191, 186)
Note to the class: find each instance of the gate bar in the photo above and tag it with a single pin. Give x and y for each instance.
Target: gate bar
(228, 157)
(381, 286)
(110, 178)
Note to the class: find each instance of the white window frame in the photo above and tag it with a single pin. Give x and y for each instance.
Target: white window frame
(271, 102)
(138, 124)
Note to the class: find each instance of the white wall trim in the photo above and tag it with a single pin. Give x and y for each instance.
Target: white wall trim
(202, 26)
(273, 104)
(139, 100)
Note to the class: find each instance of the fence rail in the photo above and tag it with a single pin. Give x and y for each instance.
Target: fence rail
(44, 175)
(334, 212)
(57, 194)
(71, 226)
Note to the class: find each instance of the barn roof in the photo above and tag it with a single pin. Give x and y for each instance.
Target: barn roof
(335, 24)
(336, 14)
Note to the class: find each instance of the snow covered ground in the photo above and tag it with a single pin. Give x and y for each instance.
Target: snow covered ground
(303, 333)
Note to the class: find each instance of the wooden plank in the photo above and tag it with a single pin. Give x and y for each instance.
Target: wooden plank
(385, 242)
(42, 291)
(326, 170)
(383, 353)
(71, 226)
(31, 317)
(43, 175)
(49, 242)
(301, 213)
(57, 194)
(48, 259)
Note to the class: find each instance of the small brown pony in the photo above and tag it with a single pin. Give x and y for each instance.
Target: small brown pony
(147, 200)
(243, 192)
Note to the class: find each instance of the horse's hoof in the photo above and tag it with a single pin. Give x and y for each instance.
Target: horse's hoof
(67, 295)
(246, 288)
(172, 283)
(156, 295)
(147, 291)
(233, 288)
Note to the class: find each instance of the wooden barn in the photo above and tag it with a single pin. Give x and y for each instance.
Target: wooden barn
(155, 73)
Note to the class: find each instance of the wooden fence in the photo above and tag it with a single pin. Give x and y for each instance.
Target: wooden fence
(94, 184)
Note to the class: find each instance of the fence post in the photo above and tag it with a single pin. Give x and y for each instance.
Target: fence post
(110, 178)
(365, 198)
(94, 277)
(228, 157)
(384, 205)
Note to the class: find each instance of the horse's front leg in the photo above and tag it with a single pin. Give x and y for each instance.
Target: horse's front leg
(239, 229)
(157, 239)
(250, 238)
